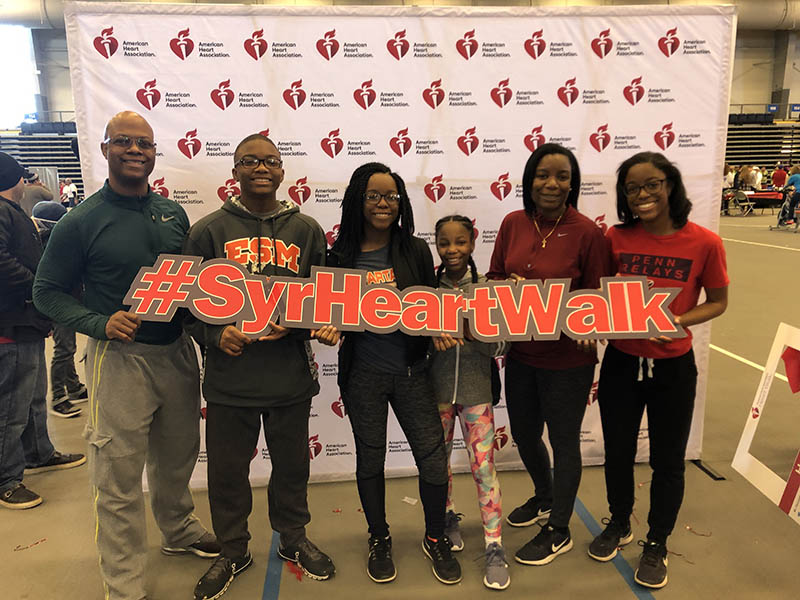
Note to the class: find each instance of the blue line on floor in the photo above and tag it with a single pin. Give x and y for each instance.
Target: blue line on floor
(272, 580)
(621, 565)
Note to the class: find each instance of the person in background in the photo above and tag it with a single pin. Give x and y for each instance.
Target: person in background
(35, 192)
(793, 181)
(65, 385)
(25, 445)
(143, 377)
(69, 195)
(757, 176)
(779, 176)
(656, 374)
(548, 382)
(462, 380)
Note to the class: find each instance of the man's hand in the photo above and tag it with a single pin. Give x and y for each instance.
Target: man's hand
(232, 341)
(276, 332)
(122, 325)
(327, 334)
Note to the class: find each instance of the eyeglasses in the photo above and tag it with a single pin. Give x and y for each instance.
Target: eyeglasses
(125, 141)
(252, 162)
(651, 187)
(375, 197)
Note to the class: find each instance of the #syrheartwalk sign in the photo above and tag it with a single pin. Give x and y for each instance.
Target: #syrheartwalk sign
(222, 291)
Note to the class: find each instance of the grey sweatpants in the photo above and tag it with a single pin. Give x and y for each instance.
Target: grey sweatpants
(144, 408)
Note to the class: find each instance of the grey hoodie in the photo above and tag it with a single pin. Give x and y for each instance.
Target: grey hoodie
(286, 243)
(462, 374)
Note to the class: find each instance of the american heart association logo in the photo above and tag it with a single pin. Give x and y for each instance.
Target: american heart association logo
(398, 45)
(328, 45)
(602, 44)
(182, 45)
(756, 413)
(601, 223)
(468, 142)
(300, 192)
(159, 188)
(435, 190)
(592, 394)
(332, 144)
(600, 139)
(314, 446)
(105, 43)
(264, 132)
(256, 45)
(670, 43)
(664, 136)
(223, 95)
(331, 235)
(568, 93)
(338, 408)
(535, 45)
(433, 95)
(365, 95)
(475, 232)
(502, 93)
(229, 189)
(148, 96)
(295, 95)
(401, 143)
(190, 145)
(534, 139)
(468, 45)
(634, 92)
(501, 188)
(500, 437)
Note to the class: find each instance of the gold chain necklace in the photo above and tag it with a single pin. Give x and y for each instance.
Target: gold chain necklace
(544, 237)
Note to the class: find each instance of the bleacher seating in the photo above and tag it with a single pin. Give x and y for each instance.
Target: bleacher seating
(762, 145)
(45, 151)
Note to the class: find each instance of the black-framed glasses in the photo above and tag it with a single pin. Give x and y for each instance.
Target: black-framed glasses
(375, 197)
(651, 187)
(252, 162)
(126, 141)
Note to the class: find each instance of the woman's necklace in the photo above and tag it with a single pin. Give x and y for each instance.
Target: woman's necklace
(544, 237)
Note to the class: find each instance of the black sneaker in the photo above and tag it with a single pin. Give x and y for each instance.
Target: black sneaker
(57, 462)
(217, 579)
(604, 546)
(206, 547)
(543, 549)
(79, 395)
(314, 562)
(20, 497)
(445, 566)
(652, 571)
(533, 511)
(64, 409)
(380, 566)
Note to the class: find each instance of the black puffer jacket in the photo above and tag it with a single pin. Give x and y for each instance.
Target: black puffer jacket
(20, 251)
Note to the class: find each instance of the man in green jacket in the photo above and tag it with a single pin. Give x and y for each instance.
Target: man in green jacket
(143, 378)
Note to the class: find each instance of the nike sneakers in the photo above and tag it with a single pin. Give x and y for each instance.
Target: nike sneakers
(652, 571)
(604, 547)
(544, 548)
(533, 511)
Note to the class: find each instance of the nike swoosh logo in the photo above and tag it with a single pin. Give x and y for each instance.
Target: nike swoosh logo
(562, 234)
(557, 548)
(165, 218)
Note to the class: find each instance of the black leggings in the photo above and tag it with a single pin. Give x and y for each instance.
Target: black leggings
(367, 397)
(537, 396)
(667, 391)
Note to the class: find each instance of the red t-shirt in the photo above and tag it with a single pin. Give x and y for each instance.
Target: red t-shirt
(779, 178)
(692, 258)
(576, 250)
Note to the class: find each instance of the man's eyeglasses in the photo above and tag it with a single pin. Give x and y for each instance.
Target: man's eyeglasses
(651, 187)
(375, 197)
(251, 162)
(125, 141)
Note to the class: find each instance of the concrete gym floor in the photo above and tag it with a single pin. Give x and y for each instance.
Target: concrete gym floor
(730, 541)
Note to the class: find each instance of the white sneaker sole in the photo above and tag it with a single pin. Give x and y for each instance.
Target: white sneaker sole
(387, 580)
(541, 517)
(654, 586)
(195, 551)
(622, 542)
(59, 467)
(69, 415)
(308, 573)
(495, 585)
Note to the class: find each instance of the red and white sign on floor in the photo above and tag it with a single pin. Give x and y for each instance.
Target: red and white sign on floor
(784, 493)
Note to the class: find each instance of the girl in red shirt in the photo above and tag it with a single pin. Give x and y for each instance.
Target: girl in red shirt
(655, 240)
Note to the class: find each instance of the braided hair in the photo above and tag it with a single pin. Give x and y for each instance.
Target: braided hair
(466, 222)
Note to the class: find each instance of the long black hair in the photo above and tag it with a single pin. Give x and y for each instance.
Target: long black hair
(530, 171)
(467, 223)
(679, 204)
(351, 226)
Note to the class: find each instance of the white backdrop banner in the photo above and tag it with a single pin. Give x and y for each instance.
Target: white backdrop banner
(453, 99)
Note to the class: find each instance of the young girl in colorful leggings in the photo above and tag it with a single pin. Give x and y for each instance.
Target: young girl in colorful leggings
(461, 377)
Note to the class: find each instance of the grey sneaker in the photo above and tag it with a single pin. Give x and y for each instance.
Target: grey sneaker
(496, 576)
(453, 531)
